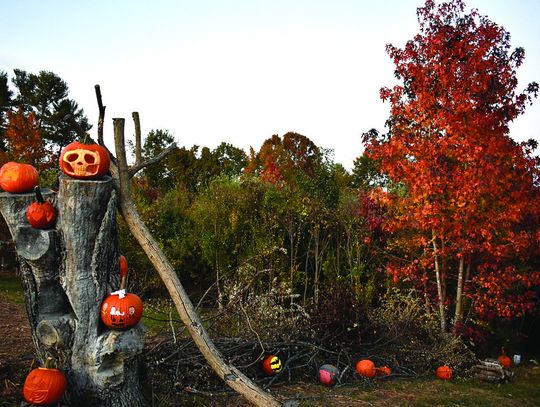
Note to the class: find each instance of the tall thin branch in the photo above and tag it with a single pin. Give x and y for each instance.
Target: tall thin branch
(137, 122)
(101, 115)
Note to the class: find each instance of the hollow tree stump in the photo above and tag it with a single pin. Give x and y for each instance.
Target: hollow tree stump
(66, 272)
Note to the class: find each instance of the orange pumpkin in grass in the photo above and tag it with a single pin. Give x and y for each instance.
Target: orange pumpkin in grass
(366, 368)
(444, 373)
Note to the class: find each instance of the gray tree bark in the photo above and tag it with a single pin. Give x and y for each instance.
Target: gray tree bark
(66, 273)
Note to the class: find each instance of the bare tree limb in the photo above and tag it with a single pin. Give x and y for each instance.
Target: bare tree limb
(233, 377)
(139, 166)
(137, 122)
(101, 115)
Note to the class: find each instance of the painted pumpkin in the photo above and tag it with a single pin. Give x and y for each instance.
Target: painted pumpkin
(18, 178)
(366, 368)
(328, 375)
(41, 214)
(121, 310)
(444, 373)
(383, 371)
(272, 365)
(44, 385)
(84, 161)
(123, 267)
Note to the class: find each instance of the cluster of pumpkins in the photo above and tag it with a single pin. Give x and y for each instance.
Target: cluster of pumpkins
(119, 310)
(328, 374)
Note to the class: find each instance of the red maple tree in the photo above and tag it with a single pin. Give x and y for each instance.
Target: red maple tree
(461, 188)
(24, 140)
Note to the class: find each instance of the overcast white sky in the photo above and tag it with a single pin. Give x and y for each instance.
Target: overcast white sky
(238, 71)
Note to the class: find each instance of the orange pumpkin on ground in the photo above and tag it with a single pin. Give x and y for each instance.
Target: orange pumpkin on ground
(18, 178)
(84, 161)
(366, 368)
(383, 371)
(504, 360)
(444, 373)
(272, 365)
(41, 214)
(44, 385)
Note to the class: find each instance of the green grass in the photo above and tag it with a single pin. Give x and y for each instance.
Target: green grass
(10, 287)
(522, 391)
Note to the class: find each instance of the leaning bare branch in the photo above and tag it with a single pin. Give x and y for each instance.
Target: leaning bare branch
(137, 167)
(101, 115)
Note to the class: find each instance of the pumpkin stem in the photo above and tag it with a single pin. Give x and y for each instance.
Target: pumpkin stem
(123, 282)
(48, 362)
(39, 197)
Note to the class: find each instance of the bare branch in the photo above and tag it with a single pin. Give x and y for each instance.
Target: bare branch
(101, 115)
(139, 166)
(137, 122)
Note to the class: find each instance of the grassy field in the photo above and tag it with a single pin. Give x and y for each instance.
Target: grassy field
(10, 287)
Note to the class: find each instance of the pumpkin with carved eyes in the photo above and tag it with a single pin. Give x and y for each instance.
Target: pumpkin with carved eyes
(84, 161)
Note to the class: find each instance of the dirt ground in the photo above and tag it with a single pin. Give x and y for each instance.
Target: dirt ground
(16, 351)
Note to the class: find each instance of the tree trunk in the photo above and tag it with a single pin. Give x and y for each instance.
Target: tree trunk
(459, 293)
(440, 289)
(66, 273)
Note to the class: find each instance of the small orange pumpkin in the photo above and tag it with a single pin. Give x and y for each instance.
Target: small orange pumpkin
(383, 371)
(444, 373)
(84, 161)
(121, 310)
(44, 385)
(18, 178)
(41, 214)
(272, 365)
(366, 368)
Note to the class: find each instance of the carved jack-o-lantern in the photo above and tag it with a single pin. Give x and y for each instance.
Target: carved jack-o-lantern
(44, 385)
(84, 161)
(121, 310)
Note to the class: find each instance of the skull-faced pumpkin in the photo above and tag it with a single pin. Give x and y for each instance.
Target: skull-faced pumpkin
(84, 161)
(121, 310)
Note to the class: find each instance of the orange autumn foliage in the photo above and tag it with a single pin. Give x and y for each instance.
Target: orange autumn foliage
(463, 196)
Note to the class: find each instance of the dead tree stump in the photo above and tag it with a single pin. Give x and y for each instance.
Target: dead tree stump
(66, 272)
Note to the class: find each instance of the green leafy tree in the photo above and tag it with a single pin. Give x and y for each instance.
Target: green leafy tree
(5, 103)
(59, 117)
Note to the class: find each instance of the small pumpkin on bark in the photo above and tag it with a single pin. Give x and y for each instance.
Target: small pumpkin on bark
(41, 214)
(18, 178)
(121, 310)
